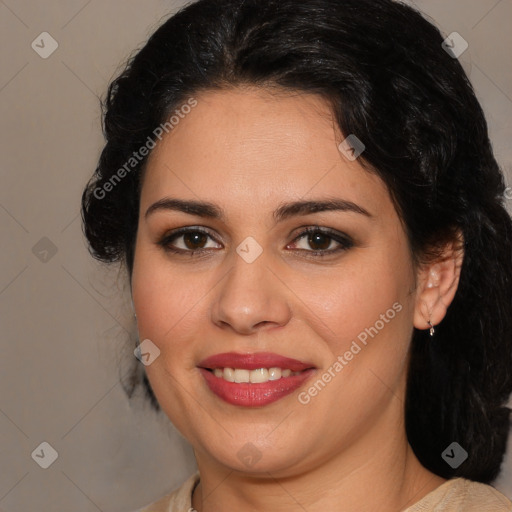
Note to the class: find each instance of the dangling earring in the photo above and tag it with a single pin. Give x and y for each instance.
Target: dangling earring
(432, 330)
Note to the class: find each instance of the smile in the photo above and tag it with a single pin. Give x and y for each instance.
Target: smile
(253, 380)
(240, 375)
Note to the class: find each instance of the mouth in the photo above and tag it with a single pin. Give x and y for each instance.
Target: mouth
(253, 380)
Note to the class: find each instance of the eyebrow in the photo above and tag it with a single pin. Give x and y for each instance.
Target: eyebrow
(284, 211)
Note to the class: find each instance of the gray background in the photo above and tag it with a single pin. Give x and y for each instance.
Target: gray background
(64, 317)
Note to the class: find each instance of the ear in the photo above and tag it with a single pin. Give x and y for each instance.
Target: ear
(437, 284)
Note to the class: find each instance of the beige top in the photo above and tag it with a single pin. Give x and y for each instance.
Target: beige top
(455, 495)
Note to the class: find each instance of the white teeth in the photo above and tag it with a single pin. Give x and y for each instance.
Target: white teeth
(259, 375)
(274, 373)
(241, 375)
(254, 376)
(229, 374)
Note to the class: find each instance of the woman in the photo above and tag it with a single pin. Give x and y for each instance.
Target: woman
(305, 198)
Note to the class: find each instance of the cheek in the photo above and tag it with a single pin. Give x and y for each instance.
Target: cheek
(364, 323)
(152, 294)
(159, 304)
(366, 297)
(169, 302)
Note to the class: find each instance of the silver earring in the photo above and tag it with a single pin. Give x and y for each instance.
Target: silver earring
(432, 330)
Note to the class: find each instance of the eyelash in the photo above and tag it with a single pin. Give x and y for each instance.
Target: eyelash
(342, 239)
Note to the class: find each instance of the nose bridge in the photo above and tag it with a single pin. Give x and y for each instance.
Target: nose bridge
(250, 295)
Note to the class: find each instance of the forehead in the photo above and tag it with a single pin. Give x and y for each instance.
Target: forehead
(255, 146)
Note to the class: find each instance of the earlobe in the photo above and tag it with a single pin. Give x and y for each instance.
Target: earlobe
(438, 283)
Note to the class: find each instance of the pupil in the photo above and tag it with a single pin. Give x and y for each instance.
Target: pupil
(316, 239)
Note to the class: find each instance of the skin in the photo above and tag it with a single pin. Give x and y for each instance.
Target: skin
(248, 151)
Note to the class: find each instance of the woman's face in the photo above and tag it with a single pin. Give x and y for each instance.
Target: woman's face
(339, 302)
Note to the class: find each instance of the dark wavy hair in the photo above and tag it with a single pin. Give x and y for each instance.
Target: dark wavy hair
(382, 68)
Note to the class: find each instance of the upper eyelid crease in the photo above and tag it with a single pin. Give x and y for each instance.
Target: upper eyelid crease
(284, 211)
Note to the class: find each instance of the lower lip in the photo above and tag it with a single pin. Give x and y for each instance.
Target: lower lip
(248, 394)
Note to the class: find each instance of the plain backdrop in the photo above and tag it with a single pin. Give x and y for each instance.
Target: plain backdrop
(64, 318)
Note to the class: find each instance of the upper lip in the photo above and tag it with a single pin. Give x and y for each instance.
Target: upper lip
(253, 361)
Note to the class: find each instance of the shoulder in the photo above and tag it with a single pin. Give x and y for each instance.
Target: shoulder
(178, 500)
(462, 495)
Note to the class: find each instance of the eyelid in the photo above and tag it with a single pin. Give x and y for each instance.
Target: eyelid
(343, 240)
(176, 233)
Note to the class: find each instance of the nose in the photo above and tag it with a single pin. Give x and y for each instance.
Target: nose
(251, 297)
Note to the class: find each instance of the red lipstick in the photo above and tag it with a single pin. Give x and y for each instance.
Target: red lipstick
(253, 361)
(249, 394)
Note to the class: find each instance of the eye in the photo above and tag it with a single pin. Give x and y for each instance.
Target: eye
(190, 240)
(321, 240)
